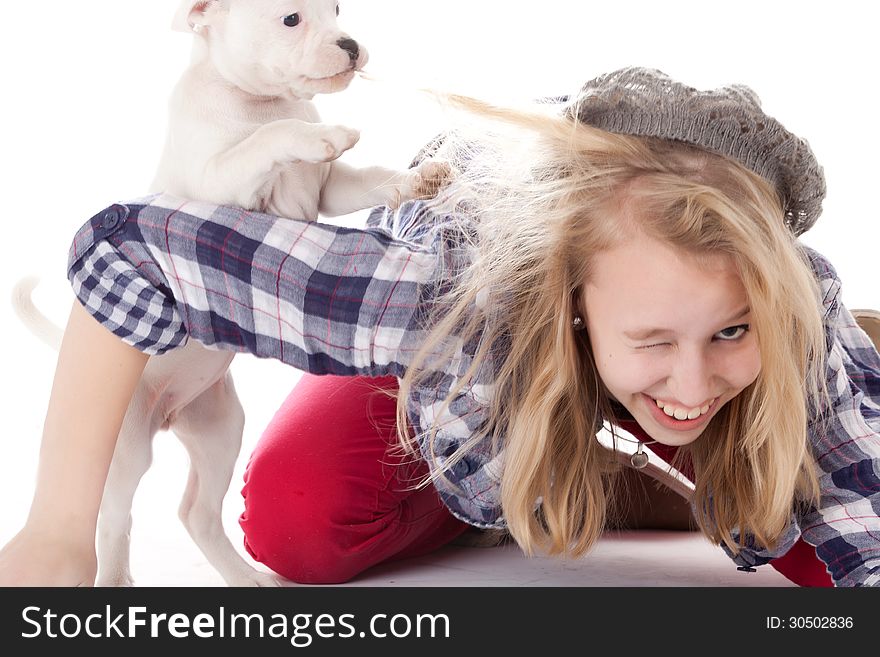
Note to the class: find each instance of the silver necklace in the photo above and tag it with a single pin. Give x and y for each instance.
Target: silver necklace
(638, 460)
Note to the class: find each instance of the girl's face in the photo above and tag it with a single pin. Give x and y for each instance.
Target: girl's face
(668, 330)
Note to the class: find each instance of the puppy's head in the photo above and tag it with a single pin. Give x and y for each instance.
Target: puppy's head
(275, 47)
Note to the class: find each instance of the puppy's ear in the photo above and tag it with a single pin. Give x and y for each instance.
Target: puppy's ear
(194, 14)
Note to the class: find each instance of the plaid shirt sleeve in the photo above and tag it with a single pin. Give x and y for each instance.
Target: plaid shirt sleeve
(845, 529)
(322, 298)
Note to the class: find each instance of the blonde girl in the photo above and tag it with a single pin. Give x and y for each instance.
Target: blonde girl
(628, 260)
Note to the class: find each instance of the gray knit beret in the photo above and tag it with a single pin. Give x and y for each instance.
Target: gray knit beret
(728, 121)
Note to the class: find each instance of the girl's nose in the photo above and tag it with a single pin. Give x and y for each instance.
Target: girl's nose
(691, 380)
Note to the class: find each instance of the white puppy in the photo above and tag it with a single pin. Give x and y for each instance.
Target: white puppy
(241, 132)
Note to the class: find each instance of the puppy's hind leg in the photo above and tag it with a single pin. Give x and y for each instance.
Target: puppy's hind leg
(131, 459)
(210, 427)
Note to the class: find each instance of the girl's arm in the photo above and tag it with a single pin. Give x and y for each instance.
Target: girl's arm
(94, 381)
(846, 527)
(322, 298)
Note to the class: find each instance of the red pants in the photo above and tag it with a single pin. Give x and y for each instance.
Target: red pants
(328, 492)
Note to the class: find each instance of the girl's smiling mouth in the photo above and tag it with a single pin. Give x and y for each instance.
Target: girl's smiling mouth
(692, 418)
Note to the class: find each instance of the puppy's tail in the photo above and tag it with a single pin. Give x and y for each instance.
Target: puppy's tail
(35, 321)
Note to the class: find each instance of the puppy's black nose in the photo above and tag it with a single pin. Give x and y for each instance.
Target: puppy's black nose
(351, 47)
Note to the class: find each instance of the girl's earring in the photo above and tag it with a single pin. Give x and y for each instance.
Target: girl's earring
(577, 323)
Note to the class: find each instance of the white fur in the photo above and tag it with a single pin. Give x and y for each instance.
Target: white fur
(242, 131)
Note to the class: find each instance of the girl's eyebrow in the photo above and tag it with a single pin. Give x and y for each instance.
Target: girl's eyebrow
(648, 333)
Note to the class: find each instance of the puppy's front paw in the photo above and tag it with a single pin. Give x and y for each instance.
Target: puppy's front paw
(328, 142)
(425, 181)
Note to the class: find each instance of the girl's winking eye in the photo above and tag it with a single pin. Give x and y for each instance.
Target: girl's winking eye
(729, 334)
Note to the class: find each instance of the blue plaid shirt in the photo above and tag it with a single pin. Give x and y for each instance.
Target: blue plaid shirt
(333, 300)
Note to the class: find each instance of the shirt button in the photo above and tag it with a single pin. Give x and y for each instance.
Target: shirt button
(111, 219)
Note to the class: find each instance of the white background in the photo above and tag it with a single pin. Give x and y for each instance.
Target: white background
(84, 88)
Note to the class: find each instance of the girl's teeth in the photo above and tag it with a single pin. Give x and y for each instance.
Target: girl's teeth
(682, 414)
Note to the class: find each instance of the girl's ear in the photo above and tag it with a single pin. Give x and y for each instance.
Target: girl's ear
(577, 303)
(194, 14)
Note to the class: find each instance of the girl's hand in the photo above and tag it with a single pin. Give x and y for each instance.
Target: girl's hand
(35, 558)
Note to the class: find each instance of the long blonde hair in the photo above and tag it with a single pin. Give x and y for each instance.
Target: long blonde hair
(536, 185)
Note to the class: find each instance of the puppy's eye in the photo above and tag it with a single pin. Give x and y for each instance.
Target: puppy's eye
(337, 10)
(292, 20)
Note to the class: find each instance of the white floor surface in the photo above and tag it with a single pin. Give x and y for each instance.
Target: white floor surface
(637, 558)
